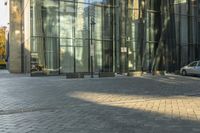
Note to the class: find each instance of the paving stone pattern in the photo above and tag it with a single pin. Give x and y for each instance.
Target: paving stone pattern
(149, 104)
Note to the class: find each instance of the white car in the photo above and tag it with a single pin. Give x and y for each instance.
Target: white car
(191, 69)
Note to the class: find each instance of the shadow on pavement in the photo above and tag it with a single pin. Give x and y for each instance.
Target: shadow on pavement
(109, 105)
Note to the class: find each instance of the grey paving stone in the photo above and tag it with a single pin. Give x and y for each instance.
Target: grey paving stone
(149, 104)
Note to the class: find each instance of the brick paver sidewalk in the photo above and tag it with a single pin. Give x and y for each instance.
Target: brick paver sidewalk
(165, 104)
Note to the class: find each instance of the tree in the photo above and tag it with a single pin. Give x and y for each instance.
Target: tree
(2, 46)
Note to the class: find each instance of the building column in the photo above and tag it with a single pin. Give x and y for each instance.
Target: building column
(15, 50)
(27, 36)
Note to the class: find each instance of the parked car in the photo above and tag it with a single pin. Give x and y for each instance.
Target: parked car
(192, 69)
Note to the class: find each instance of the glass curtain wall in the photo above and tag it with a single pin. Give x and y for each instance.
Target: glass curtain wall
(187, 30)
(62, 34)
(143, 33)
(169, 34)
(65, 33)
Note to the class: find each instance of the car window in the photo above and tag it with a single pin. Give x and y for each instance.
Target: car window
(193, 64)
(199, 63)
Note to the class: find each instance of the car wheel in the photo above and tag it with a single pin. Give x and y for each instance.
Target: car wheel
(184, 73)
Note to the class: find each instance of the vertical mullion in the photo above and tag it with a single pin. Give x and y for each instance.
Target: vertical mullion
(59, 64)
(179, 35)
(197, 30)
(113, 37)
(102, 39)
(89, 43)
(74, 37)
(189, 30)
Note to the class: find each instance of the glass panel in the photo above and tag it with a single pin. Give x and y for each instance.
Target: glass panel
(51, 54)
(107, 54)
(98, 56)
(82, 21)
(66, 59)
(66, 55)
(67, 20)
(97, 31)
(184, 55)
(44, 54)
(184, 30)
(107, 23)
(82, 56)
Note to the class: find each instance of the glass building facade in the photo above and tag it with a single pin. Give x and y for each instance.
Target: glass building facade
(63, 33)
(76, 36)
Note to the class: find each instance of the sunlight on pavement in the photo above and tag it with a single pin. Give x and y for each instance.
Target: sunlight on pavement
(182, 107)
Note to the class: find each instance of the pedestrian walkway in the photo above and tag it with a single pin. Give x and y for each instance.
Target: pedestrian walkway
(148, 104)
(6, 74)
